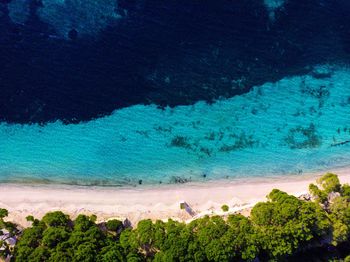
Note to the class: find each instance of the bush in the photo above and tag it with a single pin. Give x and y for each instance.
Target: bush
(30, 218)
(225, 208)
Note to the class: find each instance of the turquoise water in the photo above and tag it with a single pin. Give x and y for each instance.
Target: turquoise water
(299, 124)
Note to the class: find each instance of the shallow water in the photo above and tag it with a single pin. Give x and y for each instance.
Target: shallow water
(299, 124)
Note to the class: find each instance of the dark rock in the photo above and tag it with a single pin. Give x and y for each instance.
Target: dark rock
(179, 180)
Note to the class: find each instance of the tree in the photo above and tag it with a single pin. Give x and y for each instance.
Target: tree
(59, 256)
(285, 222)
(23, 252)
(35, 222)
(39, 254)
(340, 216)
(86, 252)
(340, 232)
(83, 223)
(128, 241)
(175, 241)
(345, 190)
(114, 225)
(209, 232)
(4, 250)
(3, 213)
(112, 252)
(53, 236)
(317, 193)
(275, 230)
(30, 218)
(329, 183)
(145, 237)
(55, 219)
(243, 237)
(225, 208)
(31, 237)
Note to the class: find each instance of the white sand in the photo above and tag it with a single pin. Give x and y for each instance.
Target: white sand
(139, 203)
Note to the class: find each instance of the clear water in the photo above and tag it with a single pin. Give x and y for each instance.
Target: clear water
(296, 125)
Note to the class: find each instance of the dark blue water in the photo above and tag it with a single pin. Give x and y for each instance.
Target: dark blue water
(162, 52)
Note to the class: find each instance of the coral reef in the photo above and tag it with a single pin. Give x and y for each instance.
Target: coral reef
(19, 11)
(86, 17)
(303, 137)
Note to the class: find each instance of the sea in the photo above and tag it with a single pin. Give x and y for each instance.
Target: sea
(146, 92)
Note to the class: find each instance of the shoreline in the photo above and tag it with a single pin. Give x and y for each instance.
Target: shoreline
(156, 202)
(44, 183)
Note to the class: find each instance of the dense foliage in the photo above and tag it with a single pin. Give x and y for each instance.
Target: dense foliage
(281, 228)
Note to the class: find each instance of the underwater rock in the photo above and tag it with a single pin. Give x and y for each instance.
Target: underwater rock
(73, 34)
(272, 6)
(179, 180)
(85, 17)
(322, 71)
(2, 10)
(19, 11)
(303, 137)
(181, 141)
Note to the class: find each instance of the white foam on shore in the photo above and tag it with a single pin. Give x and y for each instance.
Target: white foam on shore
(275, 129)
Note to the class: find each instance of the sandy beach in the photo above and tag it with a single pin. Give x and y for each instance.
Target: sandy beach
(160, 202)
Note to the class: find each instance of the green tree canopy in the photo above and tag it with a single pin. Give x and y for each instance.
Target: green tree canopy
(275, 230)
(3, 213)
(114, 224)
(329, 183)
(55, 219)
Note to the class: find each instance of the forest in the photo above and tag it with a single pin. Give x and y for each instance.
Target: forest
(315, 227)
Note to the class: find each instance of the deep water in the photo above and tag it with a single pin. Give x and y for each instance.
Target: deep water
(128, 92)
